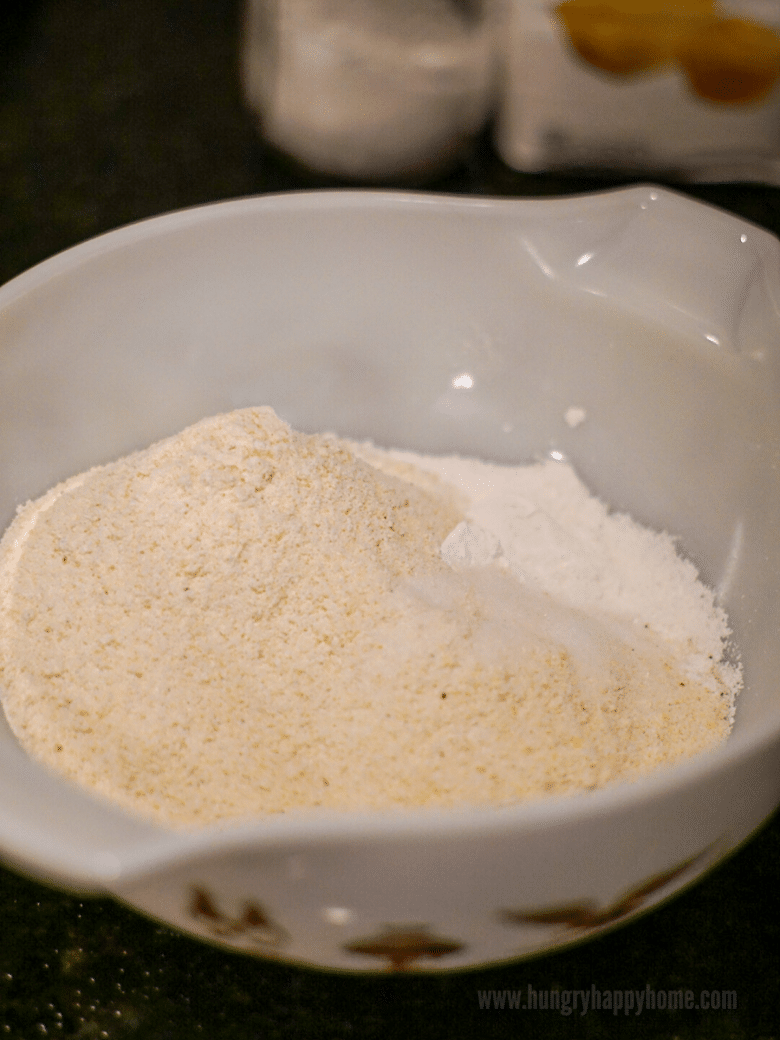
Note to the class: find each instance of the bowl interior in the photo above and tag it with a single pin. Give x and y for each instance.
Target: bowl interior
(357, 311)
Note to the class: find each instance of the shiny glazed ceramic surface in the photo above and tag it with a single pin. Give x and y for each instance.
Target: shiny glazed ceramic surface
(358, 312)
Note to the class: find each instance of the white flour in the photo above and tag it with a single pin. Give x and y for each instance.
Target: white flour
(541, 523)
(244, 620)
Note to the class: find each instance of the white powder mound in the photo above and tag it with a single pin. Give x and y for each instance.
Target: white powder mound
(541, 523)
(243, 620)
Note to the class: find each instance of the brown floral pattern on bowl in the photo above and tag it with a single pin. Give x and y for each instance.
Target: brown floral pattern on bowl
(252, 923)
(587, 915)
(402, 947)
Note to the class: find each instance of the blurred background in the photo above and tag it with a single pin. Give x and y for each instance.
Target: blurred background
(116, 110)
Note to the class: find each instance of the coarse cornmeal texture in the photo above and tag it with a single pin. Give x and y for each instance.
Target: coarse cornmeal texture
(243, 620)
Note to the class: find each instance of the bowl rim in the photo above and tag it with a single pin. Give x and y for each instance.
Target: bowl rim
(146, 228)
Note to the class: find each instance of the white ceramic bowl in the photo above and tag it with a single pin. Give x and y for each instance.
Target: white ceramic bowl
(355, 311)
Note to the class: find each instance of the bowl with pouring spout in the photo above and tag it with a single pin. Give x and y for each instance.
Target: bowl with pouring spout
(442, 325)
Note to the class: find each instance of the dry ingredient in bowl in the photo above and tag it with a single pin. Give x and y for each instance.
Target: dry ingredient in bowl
(243, 620)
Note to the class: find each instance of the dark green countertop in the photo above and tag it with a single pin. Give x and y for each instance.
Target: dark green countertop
(115, 110)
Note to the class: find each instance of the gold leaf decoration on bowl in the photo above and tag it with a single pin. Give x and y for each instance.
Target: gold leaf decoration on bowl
(587, 915)
(401, 947)
(253, 922)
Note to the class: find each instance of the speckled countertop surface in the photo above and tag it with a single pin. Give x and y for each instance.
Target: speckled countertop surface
(115, 110)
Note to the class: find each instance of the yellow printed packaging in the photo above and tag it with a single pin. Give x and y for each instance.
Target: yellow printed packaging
(688, 89)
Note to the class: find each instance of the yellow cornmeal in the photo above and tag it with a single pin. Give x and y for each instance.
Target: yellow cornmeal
(244, 620)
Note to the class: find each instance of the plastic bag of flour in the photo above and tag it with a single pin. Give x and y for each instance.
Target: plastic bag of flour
(687, 89)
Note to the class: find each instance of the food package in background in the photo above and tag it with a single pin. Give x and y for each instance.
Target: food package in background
(687, 89)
